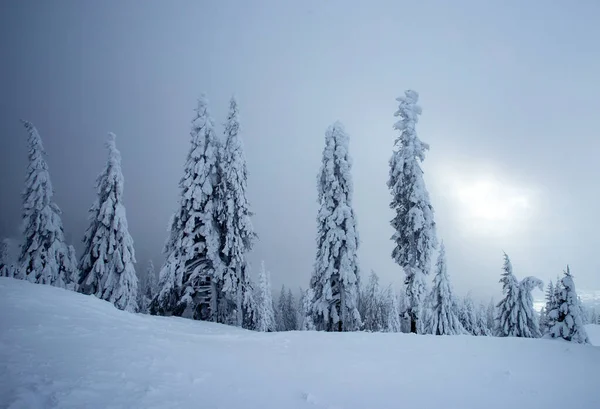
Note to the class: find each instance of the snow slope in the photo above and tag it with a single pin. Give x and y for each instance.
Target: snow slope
(66, 350)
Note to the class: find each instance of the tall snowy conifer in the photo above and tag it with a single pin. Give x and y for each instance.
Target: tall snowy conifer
(45, 257)
(414, 227)
(443, 319)
(506, 321)
(107, 263)
(565, 316)
(191, 277)
(335, 277)
(266, 314)
(237, 234)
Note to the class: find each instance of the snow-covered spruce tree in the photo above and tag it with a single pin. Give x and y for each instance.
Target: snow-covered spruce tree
(6, 267)
(146, 287)
(467, 315)
(443, 319)
(527, 319)
(107, 263)
(266, 315)
(491, 316)
(506, 319)
(292, 313)
(249, 305)
(307, 323)
(190, 279)
(565, 316)
(335, 278)
(233, 209)
(45, 257)
(549, 297)
(392, 312)
(151, 283)
(483, 329)
(414, 228)
(286, 311)
(280, 311)
(373, 318)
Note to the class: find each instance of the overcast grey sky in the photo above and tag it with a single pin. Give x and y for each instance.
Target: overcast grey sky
(509, 91)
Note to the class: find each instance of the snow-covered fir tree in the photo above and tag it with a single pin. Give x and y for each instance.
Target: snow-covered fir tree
(151, 287)
(307, 323)
(527, 319)
(414, 228)
(550, 300)
(249, 304)
(443, 319)
(191, 277)
(286, 311)
(467, 315)
(373, 314)
(7, 268)
(266, 314)
(45, 257)
(491, 316)
(107, 263)
(335, 278)
(147, 289)
(392, 312)
(482, 327)
(506, 318)
(237, 234)
(565, 316)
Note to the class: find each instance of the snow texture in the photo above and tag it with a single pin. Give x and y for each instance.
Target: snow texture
(335, 278)
(192, 275)
(566, 315)
(45, 257)
(60, 349)
(443, 318)
(414, 228)
(107, 263)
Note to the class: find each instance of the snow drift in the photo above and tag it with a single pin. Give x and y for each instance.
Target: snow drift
(66, 350)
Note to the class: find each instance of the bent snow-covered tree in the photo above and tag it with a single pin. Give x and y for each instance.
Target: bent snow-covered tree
(414, 228)
(443, 319)
(45, 257)
(335, 278)
(107, 263)
(266, 314)
(236, 231)
(516, 316)
(566, 314)
(191, 277)
(527, 318)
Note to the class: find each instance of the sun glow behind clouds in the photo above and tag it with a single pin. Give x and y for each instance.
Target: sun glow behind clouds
(489, 206)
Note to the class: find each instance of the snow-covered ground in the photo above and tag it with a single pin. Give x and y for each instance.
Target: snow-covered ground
(66, 350)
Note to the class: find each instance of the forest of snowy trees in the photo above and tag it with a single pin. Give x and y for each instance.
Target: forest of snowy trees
(206, 275)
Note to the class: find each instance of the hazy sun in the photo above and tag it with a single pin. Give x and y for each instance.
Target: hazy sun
(489, 200)
(488, 205)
